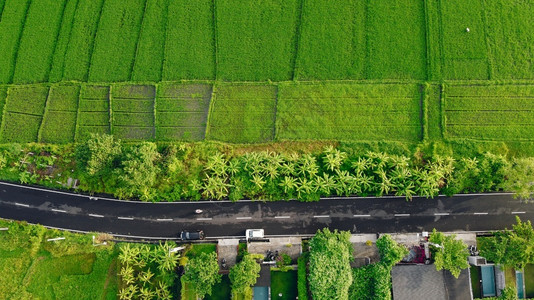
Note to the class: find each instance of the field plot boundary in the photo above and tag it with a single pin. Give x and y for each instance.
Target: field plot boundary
(489, 112)
(105, 113)
(131, 122)
(363, 112)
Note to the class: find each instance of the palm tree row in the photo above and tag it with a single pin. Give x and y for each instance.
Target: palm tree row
(267, 175)
(145, 271)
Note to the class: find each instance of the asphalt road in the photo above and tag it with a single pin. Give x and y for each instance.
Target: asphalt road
(480, 212)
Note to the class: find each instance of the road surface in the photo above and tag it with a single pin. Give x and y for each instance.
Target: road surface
(476, 212)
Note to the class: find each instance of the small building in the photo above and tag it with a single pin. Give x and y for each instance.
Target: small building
(424, 282)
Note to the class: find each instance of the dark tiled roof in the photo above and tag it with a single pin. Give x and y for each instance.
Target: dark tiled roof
(413, 282)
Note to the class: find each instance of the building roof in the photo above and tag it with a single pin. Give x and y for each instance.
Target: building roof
(424, 282)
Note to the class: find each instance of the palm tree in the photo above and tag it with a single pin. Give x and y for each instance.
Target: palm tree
(258, 181)
(234, 166)
(128, 293)
(215, 187)
(146, 293)
(127, 274)
(128, 254)
(308, 166)
(326, 184)
(333, 158)
(145, 276)
(288, 183)
(305, 186)
(271, 170)
(362, 164)
(217, 164)
(162, 291)
(24, 177)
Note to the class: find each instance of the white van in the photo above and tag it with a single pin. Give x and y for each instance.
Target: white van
(252, 234)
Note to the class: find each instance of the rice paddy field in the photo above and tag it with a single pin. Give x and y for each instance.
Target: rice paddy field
(253, 72)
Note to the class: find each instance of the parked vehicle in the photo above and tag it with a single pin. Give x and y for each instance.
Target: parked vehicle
(192, 235)
(251, 234)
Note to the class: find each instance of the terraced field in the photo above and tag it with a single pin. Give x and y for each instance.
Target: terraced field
(254, 72)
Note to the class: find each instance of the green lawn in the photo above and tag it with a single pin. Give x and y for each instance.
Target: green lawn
(221, 290)
(284, 283)
(197, 249)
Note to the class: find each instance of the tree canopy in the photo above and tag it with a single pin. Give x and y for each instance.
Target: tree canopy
(513, 248)
(450, 254)
(330, 273)
(244, 274)
(202, 273)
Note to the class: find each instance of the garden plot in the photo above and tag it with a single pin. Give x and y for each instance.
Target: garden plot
(256, 40)
(464, 53)
(370, 112)
(23, 113)
(38, 41)
(510, 33)
(11, 23)
(190, 42)
(93, 111)
(116, 40)
(182, 111)
(59, 121)
(132, 108)
(243, 113)
(82, 39)
(489, 112)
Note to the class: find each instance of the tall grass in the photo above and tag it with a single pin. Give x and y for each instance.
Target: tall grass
(190, 41)
(332, 40)
(58, 60)
(38, 41)
(150, 48)
(116, 40)
(256, 40)
(11, 24)
(82, 38)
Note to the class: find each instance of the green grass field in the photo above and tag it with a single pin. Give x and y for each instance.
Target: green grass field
(59, 120)
(132, 110)
(348, 112)
(182, 111)
(189, 43)
(116, 40)
(251, 72)
(242, 113)
(171, 40)
(33, 268)
(256, 40)
(38, 42)
(497, 112)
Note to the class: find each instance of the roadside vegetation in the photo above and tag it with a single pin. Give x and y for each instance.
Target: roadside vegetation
(194, 171)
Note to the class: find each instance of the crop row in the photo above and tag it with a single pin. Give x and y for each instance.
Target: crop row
(247, 113)
(499, 112)
(277, 40)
